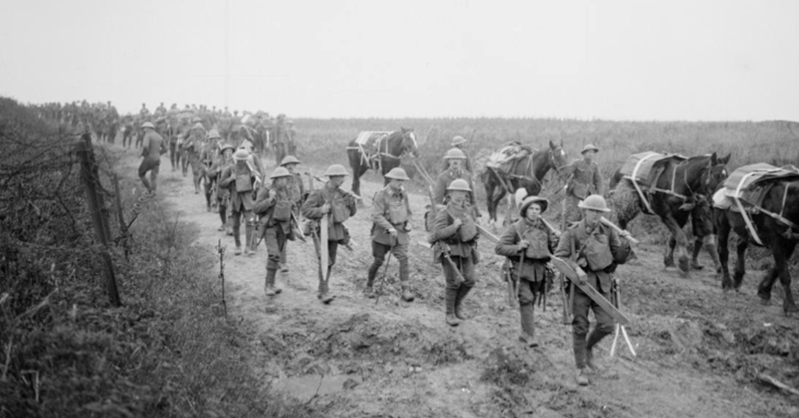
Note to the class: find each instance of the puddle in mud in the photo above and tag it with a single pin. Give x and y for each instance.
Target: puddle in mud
(305, 387)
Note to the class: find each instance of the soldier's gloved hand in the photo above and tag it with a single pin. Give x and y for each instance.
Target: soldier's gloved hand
(325, 208)
(408, 226)
(523, 244)
(458, 222)
(392, 232)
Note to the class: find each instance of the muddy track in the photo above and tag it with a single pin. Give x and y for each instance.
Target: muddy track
(699, 351)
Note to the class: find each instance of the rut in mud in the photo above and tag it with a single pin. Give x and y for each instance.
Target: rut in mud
(700, 352)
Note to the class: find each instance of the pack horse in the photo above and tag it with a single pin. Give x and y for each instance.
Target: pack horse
(379, 150)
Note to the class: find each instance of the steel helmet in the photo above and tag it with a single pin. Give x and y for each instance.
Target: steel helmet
(454, 153)
(196, 119)
(198, 125)
(458, 140)
(459, 184)
(397, 173)
(223, 147)
(542, 201)
(148, 125)
(289, 159)
(241, 154)
(589, 147)
(594, 202)
(280, 172)
(214, 134)
(336, 170)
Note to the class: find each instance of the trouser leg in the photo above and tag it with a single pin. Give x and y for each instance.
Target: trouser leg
(236, 230)
(249, 231)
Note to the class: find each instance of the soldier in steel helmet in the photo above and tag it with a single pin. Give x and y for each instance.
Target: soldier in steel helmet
(586, 179)
(275, 206)
(391, 217)
(459, 142)
(455, 160)
(454, 236)
(154, 146)
(330, 200)
(296, 191)
(597, 249)
(528, 244)
(208, 155)
(241, 178)
(223, 161)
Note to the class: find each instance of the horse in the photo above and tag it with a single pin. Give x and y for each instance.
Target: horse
(526, 173)
(682, 189)
(778, 236)
(390, 149)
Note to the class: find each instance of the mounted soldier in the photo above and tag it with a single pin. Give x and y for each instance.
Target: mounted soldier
(391, 226)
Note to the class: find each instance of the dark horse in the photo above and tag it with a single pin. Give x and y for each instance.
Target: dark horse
(776, 235)
(526, 173)
(390, 149)
(682, 189)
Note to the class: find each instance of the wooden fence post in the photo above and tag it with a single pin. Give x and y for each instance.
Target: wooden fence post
(90, 178)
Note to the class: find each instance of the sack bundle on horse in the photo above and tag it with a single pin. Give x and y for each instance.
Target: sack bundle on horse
(515, 166)
(379, 150)
(673, 188)
(760, 202)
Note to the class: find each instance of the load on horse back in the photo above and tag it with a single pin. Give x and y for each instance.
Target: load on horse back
(515, 166)
(379, 150)
(672, 187)
(760, 203)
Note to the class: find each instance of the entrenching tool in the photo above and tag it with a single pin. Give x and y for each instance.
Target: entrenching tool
(385, 270)
(617, 229)
(295, 226)
(577, 276)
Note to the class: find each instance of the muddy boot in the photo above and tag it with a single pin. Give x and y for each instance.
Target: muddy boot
(449, 303)
(237, 239)
(594, 337)
(324, 291)
(695, 255)
(528, 325)
(582, 379)
(284, 267)
(407, 296)
(459, 297)
(270, 283)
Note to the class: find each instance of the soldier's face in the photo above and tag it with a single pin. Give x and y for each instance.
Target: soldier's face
(280, 182)
(455, 164)
(591, 217)
(457, 196)
(533, 211)
(396, 184)
(290, 167)
(588, 155)
(336, 181)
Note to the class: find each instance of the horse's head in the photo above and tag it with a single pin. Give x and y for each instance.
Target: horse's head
(714, 174)
(409, 143)
(557, 156)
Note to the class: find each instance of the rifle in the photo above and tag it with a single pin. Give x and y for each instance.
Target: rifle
(346, 192)
(616, 295)
(385, 270)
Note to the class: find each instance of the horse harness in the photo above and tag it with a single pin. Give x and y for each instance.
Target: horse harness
(689, 200)
(530, 168)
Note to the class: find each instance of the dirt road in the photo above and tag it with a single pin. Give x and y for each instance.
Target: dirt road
(699, 351)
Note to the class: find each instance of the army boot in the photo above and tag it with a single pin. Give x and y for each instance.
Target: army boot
(460, 295)
(528, 325)
(449, 302)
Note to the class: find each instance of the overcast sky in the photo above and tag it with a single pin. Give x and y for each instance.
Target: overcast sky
(631, 60)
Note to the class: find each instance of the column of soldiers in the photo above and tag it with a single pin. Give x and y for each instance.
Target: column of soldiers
(271, 208)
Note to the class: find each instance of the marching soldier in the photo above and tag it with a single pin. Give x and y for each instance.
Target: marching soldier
(224, 161)
(194, 146)
(154, 146)
(241, 178)
(585, 180)
(390, 230)
(528, 243)
(459, 142)
(296, 190)
(454, 237)
(455, 159)
(208, 155)
(597, 249)
(338, 205)
(275, 206)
